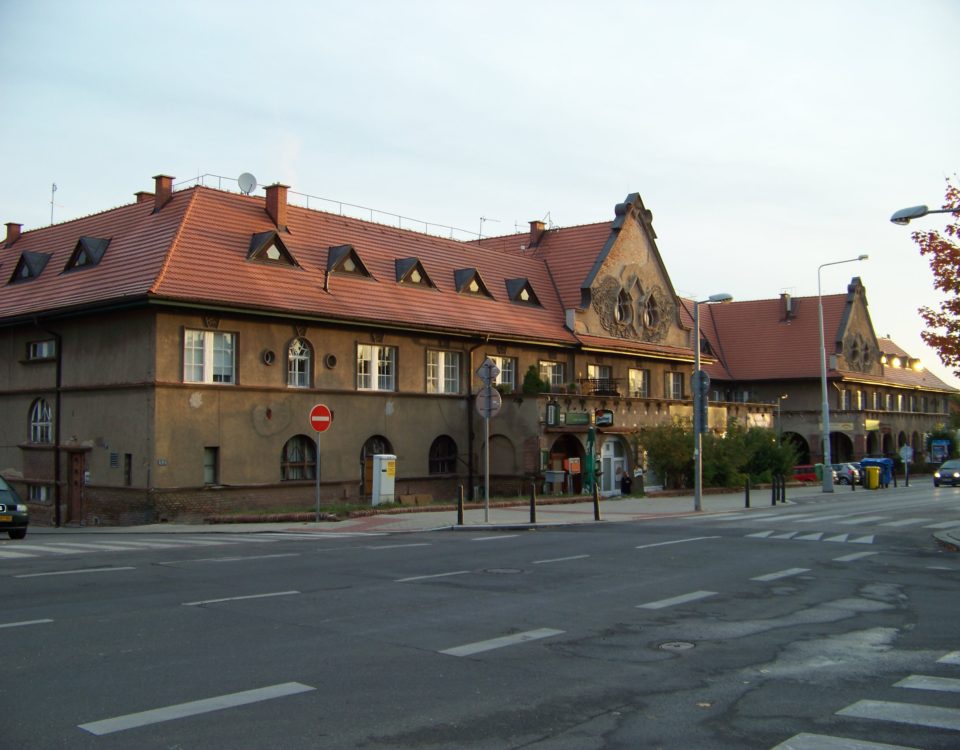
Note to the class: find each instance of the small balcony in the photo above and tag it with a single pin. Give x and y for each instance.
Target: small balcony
(600, 386)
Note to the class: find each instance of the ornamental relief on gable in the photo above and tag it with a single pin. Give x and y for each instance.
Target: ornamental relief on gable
(859, 353)
(632, 312)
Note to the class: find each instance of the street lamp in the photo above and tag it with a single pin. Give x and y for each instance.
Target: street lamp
(780, 398)
(700, 383)
(825, 406)
(905, 215)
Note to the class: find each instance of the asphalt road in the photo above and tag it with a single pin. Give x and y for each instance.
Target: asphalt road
(815, 625)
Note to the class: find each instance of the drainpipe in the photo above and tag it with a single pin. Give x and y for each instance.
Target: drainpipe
(470, 402)
(57, 341)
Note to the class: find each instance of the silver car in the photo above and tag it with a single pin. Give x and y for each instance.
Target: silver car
(846, 473)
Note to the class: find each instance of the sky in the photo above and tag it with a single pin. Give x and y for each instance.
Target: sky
(766, 137)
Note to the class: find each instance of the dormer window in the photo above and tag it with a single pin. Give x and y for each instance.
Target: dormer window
(468, 281)
(267, 247)
(88, 252)
(519, 290)
(410, 272)
(344, 259)
(29, 266)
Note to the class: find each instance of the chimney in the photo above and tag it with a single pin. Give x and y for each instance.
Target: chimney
(13, 233)
(537, 228)
(787, 306)
(163, 191)
(277, 204)
(143, 196)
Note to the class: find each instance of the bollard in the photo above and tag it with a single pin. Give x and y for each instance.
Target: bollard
(747, 493)
(460, 507)
(596, 502)
(853, 485)
(783, 488)
(533, 502)
(774, 489)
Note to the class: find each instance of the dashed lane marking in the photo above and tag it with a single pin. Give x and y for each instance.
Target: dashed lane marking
(470, 649)
(789, 572)
(675, 600)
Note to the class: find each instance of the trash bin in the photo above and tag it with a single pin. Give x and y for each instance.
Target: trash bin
(873, 477)
(626, 484)
(818, 470)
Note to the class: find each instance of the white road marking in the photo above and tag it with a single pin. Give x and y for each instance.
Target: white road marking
(682, 599)
(239, 598)
(490, 538)
(761, 535)
(952, 658)
(854, 556)
(807, 741)
(781, 574)
(862, 519)
(944, 525)
(743, 517)
(924, 682)
(90, 546)
(399, 546)
(507, 640)
(434, 575)
(74, 572)
(147, 545)
(677, 541)
(906, 522)
(194, 708)
(560, 559)
(905, 713)
(788, 535)
(863, 540)
(4, 553)
(815, 537)
(837, 538)
(54, 550)
(238, 558)
(815, 519)
(22, 623)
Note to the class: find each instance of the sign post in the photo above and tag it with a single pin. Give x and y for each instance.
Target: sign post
(906, 454)
(488, 404)
(320, 420)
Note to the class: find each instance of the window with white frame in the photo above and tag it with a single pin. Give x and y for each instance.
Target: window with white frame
(599, 372)
(46, 349)
(673, 385)
(877, 404)
(508, 371)
(899, 402)
(41, 422)
(376, 367)
(443, 371)
(860, 401)
(299, 359)
(889, 406)
(209, 357)
(39, 493)
(845, 399)
(639, 383)
(552, 372)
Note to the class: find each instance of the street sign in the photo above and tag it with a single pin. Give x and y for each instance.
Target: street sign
(489, 402)
(488, 371)
(321, 418)
(700, 380)
(906, 453)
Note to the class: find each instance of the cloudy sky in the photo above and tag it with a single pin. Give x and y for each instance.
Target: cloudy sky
(766, 137)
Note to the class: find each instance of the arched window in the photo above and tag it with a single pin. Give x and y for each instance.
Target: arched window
(299, 460)
(377, 444)
(299, 359)
(650, 313)
(443, 455)
(40, 422)
(624, 312)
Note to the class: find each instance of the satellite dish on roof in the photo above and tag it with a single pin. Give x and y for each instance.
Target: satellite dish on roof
(248, 183)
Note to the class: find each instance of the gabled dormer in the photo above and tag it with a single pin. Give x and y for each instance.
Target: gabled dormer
(88, 252)
(410, 272)
(344, 259)
(468, 281)
(267, 247)
(520, 291)
(29, 266)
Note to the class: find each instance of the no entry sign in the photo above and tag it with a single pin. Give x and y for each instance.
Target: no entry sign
(321, 417)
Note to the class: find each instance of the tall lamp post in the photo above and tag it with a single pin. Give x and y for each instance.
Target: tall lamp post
(905, 215)
(827, 472)
(700, 383)
(780, 399)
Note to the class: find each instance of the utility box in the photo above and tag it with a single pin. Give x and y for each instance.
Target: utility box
(384, 478)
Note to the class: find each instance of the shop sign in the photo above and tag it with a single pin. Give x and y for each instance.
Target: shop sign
(577, 417)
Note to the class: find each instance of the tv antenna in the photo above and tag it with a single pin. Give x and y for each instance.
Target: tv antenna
(483, 219)
(247, 182)
(53, 189)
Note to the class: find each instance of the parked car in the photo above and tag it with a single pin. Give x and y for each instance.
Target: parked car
(948, 473)
(13, 513)
(808, 473)
(847, 473)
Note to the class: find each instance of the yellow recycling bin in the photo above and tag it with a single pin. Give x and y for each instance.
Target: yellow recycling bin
(873, 477)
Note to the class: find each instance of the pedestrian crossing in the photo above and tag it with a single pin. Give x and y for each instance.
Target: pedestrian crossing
(834, 519)
(54, 548)
(905, 712)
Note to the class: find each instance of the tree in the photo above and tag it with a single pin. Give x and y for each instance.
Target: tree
(943, 251)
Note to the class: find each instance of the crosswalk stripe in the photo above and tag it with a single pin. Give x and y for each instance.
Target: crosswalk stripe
(904, 713)
(854, 556)
(925, 682)
(807, 741)
(788, 535)
(862, 519)
(760, 535)
(88, 546)
(952, 658)
(906, 522)
(815, 519)
(815, 537)
(837, 538)
(4, 553)
(42, 548)
(943, 525)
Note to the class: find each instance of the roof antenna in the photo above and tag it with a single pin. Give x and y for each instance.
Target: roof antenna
(483, 219)
(53, 189)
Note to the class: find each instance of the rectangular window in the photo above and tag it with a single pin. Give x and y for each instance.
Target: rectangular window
(640, 383)
(845, 400)
(443, 371)
(39, 493)
(41, 349)
(208, 357)
(889, 406)
(673, 385)
(552, 372)
(876, 401)
(376, 367)
(211, 465)
(599, 372)
(128, 469)
(860, 400)
(899, 402)
(508, 371)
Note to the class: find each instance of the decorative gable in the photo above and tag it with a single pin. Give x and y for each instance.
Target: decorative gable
(519, 290)
(267, 247)
(30, 266)
(468, 281)
(344, 259)
(410, 271)
(88, 252)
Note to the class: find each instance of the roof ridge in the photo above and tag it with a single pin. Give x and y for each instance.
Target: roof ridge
(168, 256)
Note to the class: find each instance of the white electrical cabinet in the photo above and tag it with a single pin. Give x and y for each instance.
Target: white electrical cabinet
(384, 478)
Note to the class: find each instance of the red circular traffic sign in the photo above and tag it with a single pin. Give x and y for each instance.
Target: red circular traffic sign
(321, 417)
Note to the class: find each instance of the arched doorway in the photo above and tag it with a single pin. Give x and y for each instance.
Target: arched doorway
(800, 446)
(565, 448)
(374, 445)
(886, 444)
(873, 443)
(613, 463)
(841, 447)
(503, 457)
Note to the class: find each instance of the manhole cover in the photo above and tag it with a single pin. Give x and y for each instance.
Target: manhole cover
(676, 646)
(503, 571)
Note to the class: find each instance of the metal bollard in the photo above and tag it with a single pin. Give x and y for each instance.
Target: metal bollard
(747, 494)
(774, 489)
(460, 507)
(596, 502)
(533, 502)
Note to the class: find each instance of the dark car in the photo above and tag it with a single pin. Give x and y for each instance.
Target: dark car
(13, 513)
(948, 473)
